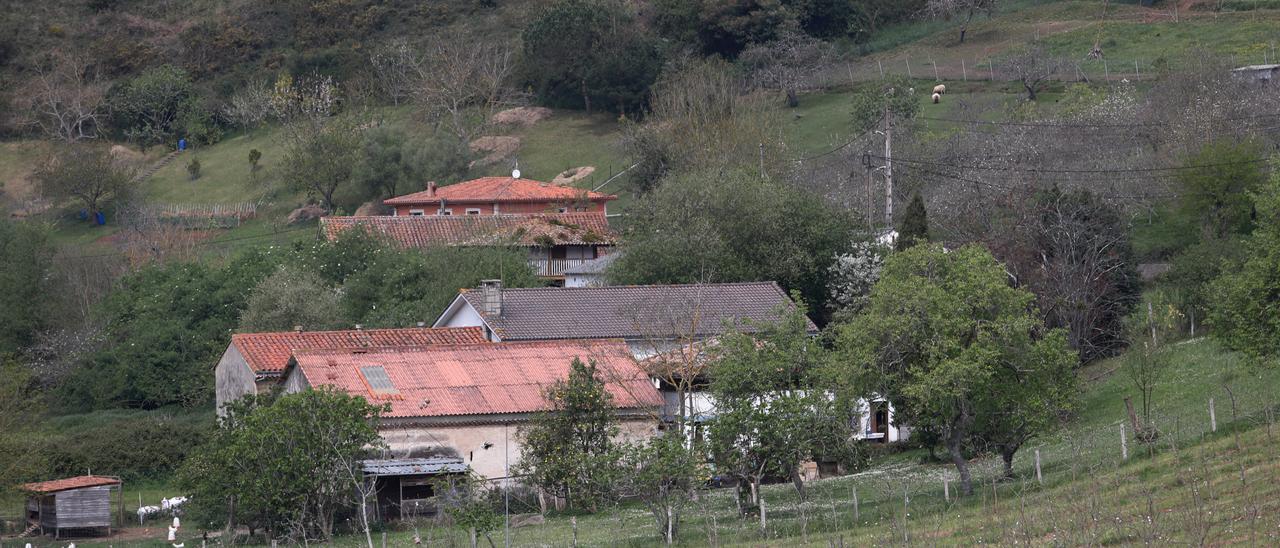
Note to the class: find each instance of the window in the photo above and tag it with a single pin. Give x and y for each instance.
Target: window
(446, 211)
(379, 383)
(562, 210)
(416, 489)
(416, 212)
(473, 211)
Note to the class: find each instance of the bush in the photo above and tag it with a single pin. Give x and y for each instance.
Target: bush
(132, 445)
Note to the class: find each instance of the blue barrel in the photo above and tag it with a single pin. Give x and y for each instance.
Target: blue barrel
(182, 144)
(100, 218)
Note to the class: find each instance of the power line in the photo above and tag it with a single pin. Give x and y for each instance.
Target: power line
(1086, 124)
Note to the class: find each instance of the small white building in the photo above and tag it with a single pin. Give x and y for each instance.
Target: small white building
(1260, 74)
(590, 273)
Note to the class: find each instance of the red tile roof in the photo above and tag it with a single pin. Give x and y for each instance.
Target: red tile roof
(499, 189)
(269, 352)
(422, 231)
(78, 482)
(495, 378)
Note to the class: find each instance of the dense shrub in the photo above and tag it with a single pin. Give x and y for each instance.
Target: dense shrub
(133, 446)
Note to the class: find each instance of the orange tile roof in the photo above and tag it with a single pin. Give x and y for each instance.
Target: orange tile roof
(420, 231)
(269, 352)
(499, 189)
(78, 482)
(495, 378)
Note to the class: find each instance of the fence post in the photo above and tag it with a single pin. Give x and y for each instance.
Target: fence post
(1124, 444)
(881, 65)
(1106, 72)
(573, 521)
(963, 73)
(856, 517)
(935, 68)
(909, 68)
(1136, 74)
(1039, 478)
(991, 64)
(384, 539)
(1213, 417)
(946, 489)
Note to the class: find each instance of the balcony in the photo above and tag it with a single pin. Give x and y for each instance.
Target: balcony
(554, 268)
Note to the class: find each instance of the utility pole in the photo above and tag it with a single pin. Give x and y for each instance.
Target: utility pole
(888, 167)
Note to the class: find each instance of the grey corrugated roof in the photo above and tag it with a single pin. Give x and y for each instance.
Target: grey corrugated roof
(594, 266)
(413, 467)
(632, 311)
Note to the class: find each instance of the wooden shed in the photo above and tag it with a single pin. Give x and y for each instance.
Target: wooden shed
(405, 488)
(82, 503)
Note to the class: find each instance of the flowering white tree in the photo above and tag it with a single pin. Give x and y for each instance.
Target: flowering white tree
(851, 276)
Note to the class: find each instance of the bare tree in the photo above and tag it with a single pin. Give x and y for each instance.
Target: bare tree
(961, 9)
(1034, 68)
(397, 67)
(463, 83)
(251, 105)
(65, 97)
(787, 64)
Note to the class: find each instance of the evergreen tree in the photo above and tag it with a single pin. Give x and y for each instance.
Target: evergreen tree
(914, 227)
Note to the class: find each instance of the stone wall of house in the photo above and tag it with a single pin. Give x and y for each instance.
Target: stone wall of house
(233, 378)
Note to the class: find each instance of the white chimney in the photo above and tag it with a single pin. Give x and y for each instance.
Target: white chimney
(491, 295)
(431, 189)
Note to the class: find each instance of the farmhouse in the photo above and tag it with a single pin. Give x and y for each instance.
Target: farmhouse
(467, 401)
(555, 242)
(82, 502)
(253, 362)
(498, 196)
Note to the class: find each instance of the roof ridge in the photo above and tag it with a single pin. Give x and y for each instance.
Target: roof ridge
(354, 330)
(627, 286)
(446, 346)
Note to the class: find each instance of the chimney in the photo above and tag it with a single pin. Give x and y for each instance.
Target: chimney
(297, 329)
(431, 189)
(359, 327)
(491, 293)
(422, 324)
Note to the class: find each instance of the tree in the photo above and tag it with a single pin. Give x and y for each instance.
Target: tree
(569, 451)
(461, 81)
(851, 277)
(581, 53)
(727, 226)
(398, 288)
(726, 27)
(320, 156)
(288, 467)
(20, 402)
(663, 472)
(769, 416)
(1218, 194)
(165, 323)
(962, 9)
(149, 108)
(65, 97)
(787, 63)
(1191, 275)
(1150, 333)
(1244, 299)
(462, 500)
(88, 174)
(894, 98)
(913, 228)
(391, 161)
(943, 338)
(1033, 67)
(26, 285)
(288, 298)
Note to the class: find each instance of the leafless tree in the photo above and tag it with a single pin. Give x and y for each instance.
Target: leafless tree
(251, 106)
(462, 83)
(961, 9)
(787, 64)
(397, 67)
(1034, 68)
(65, 97)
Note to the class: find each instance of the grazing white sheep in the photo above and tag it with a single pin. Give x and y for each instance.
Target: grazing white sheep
(940, 89)
(937, 97)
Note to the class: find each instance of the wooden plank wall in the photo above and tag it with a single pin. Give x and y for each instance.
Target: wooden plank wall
(88, 507)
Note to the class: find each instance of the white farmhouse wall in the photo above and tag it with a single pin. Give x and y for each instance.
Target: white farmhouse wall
(233, 378)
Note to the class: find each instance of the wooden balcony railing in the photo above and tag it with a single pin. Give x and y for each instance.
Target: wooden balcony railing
(554, 267)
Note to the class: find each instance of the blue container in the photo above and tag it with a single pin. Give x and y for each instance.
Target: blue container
(182, 144)
(100, 218)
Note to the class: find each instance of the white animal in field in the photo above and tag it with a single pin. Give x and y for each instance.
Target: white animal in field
(940, 89)
(937, 97)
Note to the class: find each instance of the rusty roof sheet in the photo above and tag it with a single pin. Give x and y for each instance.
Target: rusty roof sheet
(540, 229)
(67, 484)
(270, 352)
(499, 189)
(477, 379)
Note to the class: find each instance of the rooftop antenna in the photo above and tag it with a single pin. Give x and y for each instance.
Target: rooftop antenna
(515, 170)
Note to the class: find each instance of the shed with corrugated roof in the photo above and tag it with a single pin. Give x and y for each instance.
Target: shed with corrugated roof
(79, 503)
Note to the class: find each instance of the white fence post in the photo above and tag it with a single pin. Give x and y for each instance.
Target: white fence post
(1124, 444)
(946, 489)
(1213, 417)
(963, 72)
(909, 68)
(1039, 478)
